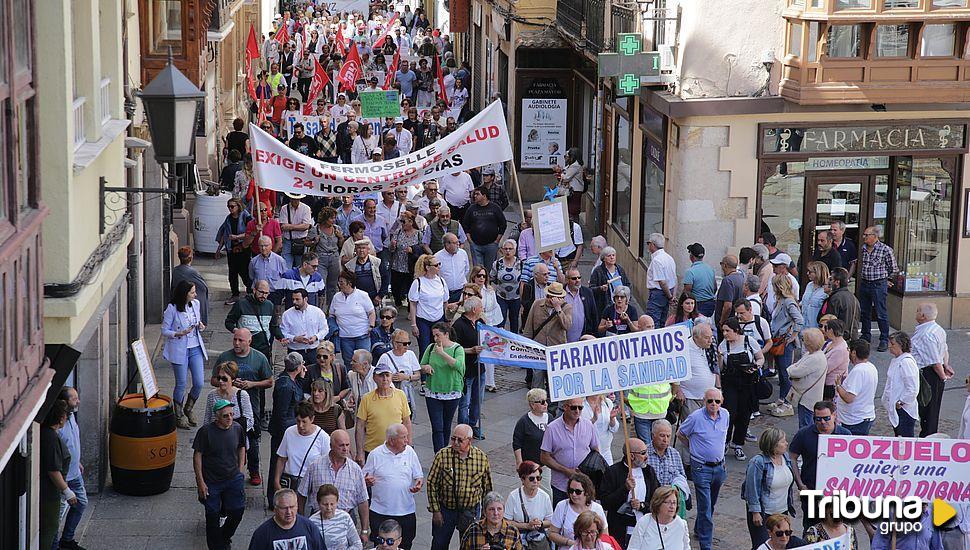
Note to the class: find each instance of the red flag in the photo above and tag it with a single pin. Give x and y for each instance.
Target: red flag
(282, 36)
(389, 79)
(352, 70)
(320, 80)
(387, 31)
(252, 52)
(339, 41)
(441, 80)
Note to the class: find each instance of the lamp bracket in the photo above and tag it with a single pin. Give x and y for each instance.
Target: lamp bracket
(104, 189)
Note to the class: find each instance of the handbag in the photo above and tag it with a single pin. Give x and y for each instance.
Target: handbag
(534, 539)
(595, 466)
(297, 246)
(778, 344)
(292, 482)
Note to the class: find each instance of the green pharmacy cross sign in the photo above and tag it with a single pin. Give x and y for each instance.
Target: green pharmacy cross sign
(630, 66)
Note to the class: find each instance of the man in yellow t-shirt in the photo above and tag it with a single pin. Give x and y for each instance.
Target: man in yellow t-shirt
(379, 409)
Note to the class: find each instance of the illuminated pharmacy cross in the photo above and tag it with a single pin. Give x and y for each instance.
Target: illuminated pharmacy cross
(630, 65)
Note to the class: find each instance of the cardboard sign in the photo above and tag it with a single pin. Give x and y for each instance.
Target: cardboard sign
(551, 224)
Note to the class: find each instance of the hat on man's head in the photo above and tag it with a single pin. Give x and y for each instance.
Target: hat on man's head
(555, 290)
(781, 259)
(696, 249)
(382, 369)
(221, 404)
(488, 170)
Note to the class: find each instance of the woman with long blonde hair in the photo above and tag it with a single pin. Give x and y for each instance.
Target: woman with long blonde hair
(786, 324)
(428, 299)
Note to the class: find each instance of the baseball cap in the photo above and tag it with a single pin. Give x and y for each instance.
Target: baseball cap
(221, 404)
(373, 79)
(781, 259)
(488, 171)
(696, 249)
(398, 120)
(381, 369)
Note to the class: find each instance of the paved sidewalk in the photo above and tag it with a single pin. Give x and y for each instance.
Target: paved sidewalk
(175, 519)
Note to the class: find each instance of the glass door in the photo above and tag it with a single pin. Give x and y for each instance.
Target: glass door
(832, 199)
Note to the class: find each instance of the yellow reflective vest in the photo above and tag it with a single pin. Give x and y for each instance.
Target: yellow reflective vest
(650, 401)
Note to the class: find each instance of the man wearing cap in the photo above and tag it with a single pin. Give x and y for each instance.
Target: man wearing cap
(379, 408)
(372, 85)
(295, 221)
(219, 460)
(779, 265)
(699, 281)
(405, 141)
(495, 190)
(549, 333)
(287, 392)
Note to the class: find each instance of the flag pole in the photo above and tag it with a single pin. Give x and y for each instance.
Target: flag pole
(626, 433)
(518, 190)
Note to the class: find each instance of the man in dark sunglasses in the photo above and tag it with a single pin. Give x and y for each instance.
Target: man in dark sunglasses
(388, 536)
(624, 492)
(805, 445)
(705, 432)
(567, 441)
(585, 319)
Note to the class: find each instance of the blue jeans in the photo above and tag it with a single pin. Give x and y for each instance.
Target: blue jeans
(441, 534)
(75, 512)
(424, 334)
(510, 313)
(195, 363)
(657, 306)
(782, 362)
(470, 407)
(288, 257)
(385, 271)
(862, 428)
(805, 417)
(228, 497)
(484, 254)
(873, 293)
(906, 426)
(644, 428)
(440, 412)
(707, 308)
(707, 485)
(348, 345)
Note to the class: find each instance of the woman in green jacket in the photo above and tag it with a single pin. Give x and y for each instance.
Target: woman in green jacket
(444, 363)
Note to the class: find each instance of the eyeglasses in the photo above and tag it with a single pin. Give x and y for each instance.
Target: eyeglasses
(468, 294)
(783, 533)
(435, 265)
(575, 407)
(641, 453)
(387, 317)
(823, 418)
(403, 342)
(457, 439)
(574, 278)
(539, 402)
(222, 378)
(709, 401)
(323, 355)
(576, 491)
(480, 275)
(534, 478)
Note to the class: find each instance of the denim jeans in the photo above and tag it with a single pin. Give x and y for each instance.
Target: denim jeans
(707, 484)
(707, 308)
(470, 407)
(424, 334)
(510, 313)
(782, 362)
(75, 512)
(440, 412)
(657, 306)
(873, 293)
(349, 345)
(484, 254)
(441, 534)
(288, 257)
(227, 497)
(195, 363)
(644, 428)
(805, 416)
(906, 426)
(862, 428)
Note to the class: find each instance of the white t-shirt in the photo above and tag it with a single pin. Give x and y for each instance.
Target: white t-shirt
(431, 295)
(352, 313)
(394, 475)
(295, 447)
(407, 363)
(861, 381)
(701, 378)
(539, 506)
(777, 500)
(564, 517)
(575, 239)
(604, 432)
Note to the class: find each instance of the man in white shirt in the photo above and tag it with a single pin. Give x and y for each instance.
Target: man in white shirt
(856, 391)
(933, 359)
(295, 221)
(455, 267)
(661, 279)
(405, 141)
(389, 208)
(339, 111)
(457, 189)
(393, 472)
(304, 326)
(779, 265)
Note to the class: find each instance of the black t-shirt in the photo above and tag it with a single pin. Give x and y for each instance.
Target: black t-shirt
(237, 141)
(484, 224)
(54, 456)
(305, 145)
(805, 444)
(220, 450)
(832, 259)
(303, 535)
(527, 437)
(466, 335)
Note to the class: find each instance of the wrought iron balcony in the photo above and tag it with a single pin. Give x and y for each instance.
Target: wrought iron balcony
(582, 22)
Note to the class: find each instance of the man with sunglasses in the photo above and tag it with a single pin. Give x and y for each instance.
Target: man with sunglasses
(705, 432)
(388, 536)
(459, 479)
(585, 319)
(805, 445)
(567, 441)
(626, 493)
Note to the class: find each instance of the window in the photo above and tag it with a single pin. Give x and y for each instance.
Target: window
(795, 39)
(853, 5)
(622, 174)
(165, 27)
(939, 40)
(921, 241)
(845, 41)
(17, 109)
(949, 3)
(21, 27)
(651, 191)
(892, 4)
(782, 205)
(813, 27)
(23, 152)
(892, 41)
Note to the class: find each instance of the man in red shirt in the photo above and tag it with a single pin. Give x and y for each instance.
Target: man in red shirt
(269, 227)
(278, 103)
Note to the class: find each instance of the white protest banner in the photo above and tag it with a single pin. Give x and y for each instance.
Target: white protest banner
(842, 543)
(312, 124)
(605, 365)
(480, 141)
(501, 347)
(551, 224)
(874, 467)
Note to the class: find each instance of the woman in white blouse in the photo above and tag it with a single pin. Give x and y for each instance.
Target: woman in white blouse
(661, 528)
(902, 387)
(599, 410)
(336, 525)
(581, 497)
(428, 297)
(364, 146)
(403, 363)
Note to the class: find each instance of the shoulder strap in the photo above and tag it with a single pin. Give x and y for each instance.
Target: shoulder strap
(312, 443)
(660, 533)
(757, 325)
(525, 514)
(543, 324)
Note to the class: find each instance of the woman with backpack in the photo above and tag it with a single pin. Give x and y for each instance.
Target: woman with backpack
(506, 272)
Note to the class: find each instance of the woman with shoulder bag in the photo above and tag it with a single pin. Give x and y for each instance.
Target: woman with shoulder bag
(529, 508)
(808, 377)
(786, 322)
(302, 444)
(230, 237)
(741, 359)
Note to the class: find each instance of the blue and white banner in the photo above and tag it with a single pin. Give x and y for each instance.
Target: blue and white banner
(605, 365)
(501, 347)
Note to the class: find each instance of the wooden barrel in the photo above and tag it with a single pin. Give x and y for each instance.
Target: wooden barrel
(142, 445)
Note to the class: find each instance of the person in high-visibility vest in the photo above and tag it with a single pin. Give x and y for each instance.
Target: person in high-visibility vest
(649, 403)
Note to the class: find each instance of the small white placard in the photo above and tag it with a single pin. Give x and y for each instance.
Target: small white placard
(879, 210)
(838, 207)
(149, 383)
(551, 224)
(914, 284)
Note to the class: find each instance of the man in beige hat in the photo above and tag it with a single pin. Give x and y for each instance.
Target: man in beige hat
(547, 323)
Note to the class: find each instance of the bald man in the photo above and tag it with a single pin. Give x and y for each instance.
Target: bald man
(337, 468)
(705, 432)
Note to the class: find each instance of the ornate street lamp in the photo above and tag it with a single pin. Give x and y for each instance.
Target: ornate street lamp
(172, 104)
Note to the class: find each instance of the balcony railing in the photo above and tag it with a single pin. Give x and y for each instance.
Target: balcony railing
(583, 21)
(105, 98)
(79, 130)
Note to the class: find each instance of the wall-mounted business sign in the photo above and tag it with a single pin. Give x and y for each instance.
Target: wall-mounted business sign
(889, 137)
(846, 163)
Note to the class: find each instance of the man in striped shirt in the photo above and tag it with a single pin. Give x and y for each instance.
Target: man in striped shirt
(875, 277)
(346, 475)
